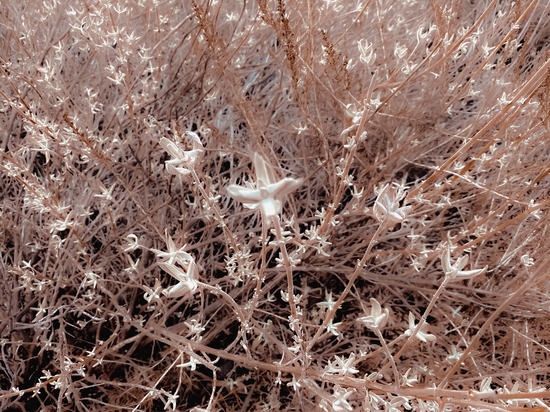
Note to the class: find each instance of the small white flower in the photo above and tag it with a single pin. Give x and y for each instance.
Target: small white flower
(185, 273)
(186, 280)
(341, 402)
(132, 243)
(485, 387)
(295, 384)
(377, 318)
(173, 254)
(386, 208)
(342, 366)
(333, 328)
(367, 51)
(152, 294)
(455, 355)
(269, 191)
(454, 271)
(409, 382)
(18, 391)
(527, 261)
(194, 326)
(183, 160)
(191, 364)
(328, 303)
(398, 404)
(421, 335)
(171, 402)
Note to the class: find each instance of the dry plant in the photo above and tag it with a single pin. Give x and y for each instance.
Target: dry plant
(264, 205)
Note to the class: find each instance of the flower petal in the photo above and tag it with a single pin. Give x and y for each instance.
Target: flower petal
(264, 171)
(376, 308)
(446, 261)
(244, 194)
(469, 274)
(270, 207)
(461, 262)
(284, 187)
(195, 138)
(176, 273)
(170, 147)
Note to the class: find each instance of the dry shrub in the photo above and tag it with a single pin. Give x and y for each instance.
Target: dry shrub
(132, 279)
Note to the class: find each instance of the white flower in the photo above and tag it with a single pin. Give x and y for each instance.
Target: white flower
(455, 355)
(152, 294)
(341, 366)
(328, 304)
(397, 404)
(183, 160)
(132, 243)
(295, 384)
(187, 283)
(269, 191)
(341, 400)
(386, 208)
(333, 328)
(409, 382)
(454, 271)
(527, 261)
(377, 318)
(185, 273)
(423, 336)
(173, 254)
(191, 364)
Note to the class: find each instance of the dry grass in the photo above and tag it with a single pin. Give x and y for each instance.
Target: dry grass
(447, 101)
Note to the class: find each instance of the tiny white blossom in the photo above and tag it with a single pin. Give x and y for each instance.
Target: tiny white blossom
(269, 191)
(186, 280)
(386, 208)
(421, 335)
(367, 51)
(132, 243)
(173, 254)
(398, 404)
(18, 391)
(295, 384)
(485, 390)
(171, 402)
(341, 402)
(341, 366)
(152, 293)
(454, 271)
(191, 364)
(377, 318)
(183, 160)
(526, 260)
(194, 326)
(455, 355)
(409, 381)
(328, 303)
(333, 328)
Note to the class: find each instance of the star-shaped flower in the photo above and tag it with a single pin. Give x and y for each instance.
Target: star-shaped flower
(186, 271)
(187, 283)
(340, 402)
(342, 366)
(386, 208)
(377, 318)
(182, 160)
(421, 335)
(454, 271)
(152, 294)
(173, 254)
(268, 192)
